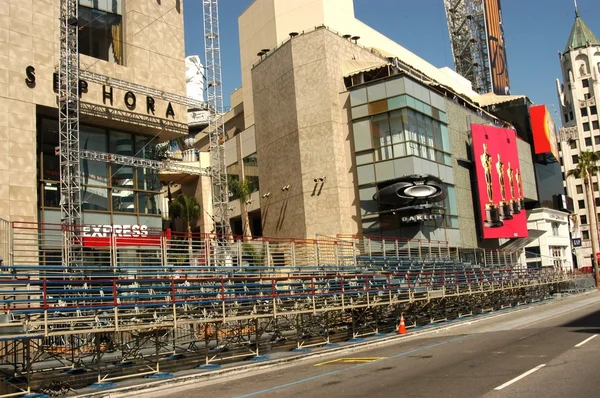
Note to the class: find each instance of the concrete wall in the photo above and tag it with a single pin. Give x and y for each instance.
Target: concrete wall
(301, 125)
(154, 56)
(459, 128)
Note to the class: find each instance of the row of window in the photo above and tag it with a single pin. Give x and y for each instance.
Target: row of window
(387, 133)
(103, 199)
(579, 188)
(250, 164)
(396, 87)
(592, 111)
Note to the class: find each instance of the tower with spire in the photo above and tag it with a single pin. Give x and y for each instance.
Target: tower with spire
(578, 93)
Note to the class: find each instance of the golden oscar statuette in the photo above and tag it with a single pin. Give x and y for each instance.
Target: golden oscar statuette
(520, 197)
(505, 210)
(514, 205)
(492, 214)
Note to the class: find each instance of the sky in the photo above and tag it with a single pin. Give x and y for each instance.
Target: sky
(534, 30)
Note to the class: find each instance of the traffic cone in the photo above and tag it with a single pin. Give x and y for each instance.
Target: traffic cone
(402, 326)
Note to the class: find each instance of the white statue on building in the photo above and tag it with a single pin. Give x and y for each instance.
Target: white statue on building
(194, 77)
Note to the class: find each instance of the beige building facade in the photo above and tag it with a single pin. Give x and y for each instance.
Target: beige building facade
(135, 42)
(312, 76)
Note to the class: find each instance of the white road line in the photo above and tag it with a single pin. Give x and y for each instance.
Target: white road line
(508, 383)
(585, 341)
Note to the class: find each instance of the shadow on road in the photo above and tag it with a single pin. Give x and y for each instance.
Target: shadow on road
(586, 324)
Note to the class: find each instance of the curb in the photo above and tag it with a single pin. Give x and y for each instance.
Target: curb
(265, 365)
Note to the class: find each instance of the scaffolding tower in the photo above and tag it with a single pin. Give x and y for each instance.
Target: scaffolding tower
(68, 119)
(468, 38)
(216, 128)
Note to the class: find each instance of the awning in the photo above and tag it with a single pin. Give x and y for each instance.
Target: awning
(495, 99)
(519, 243)
(351, 67)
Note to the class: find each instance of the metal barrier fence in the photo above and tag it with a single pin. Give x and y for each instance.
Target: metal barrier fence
(418, 248)
(136, 296)
(32, 243)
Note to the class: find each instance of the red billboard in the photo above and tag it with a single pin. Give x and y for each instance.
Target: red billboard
(496, 47)
(499, 182)
(544, 131)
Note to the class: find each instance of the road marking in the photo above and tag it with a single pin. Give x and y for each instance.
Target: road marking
(358, 366)
(585, 341)
(508, 383)
(351, 360)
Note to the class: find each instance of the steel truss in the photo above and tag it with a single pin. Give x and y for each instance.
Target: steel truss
(68, 118)
(214, 97)
(466, 25)
(174, 167)
(141, 89)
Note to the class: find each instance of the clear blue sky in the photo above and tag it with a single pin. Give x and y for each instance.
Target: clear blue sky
(535, 30)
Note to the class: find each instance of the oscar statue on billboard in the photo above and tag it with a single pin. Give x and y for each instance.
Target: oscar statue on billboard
(514, 204)
(505, 210)
(520, 198)
(492, 219)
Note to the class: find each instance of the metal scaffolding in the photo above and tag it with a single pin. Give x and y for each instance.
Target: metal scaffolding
(466, 25)
(214, 92)
(123, 160)
(68, 116)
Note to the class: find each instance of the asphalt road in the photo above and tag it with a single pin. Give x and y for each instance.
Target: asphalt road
(531, 353)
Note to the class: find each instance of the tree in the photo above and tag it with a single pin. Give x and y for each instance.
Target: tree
(188, 209)
(587, 167)
(242, 190)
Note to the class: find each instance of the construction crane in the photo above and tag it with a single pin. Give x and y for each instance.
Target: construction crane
(69, 111)
(466, 25)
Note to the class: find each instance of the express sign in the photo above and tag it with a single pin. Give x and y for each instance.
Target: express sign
(106, 231)
(124, 235)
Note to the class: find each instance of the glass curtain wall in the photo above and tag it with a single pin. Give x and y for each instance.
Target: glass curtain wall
(106, 188)
(394, 119)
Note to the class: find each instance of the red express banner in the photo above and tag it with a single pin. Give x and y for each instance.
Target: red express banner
(499, 182)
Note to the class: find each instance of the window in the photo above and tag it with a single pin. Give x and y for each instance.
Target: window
(573, 144)
(595, 126)
(557, 253)
(579, 188)
(597, 139)
(584, 112)
(532, 252)
(571, 115)
(251, 171)
(588, 141)
(105, 187)
(583, 219)
(586, 127)
(555, 228)
(585, 83)
(593, 110)
(595, 186)
(585, 235)
(597, 201)
(101, 30)
(575, 159)
(581, 204)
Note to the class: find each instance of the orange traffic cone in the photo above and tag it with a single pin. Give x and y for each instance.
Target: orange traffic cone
(402, 326)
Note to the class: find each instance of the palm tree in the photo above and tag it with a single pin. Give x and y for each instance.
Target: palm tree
(586, 168)
(242, 190)
(188, 209)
